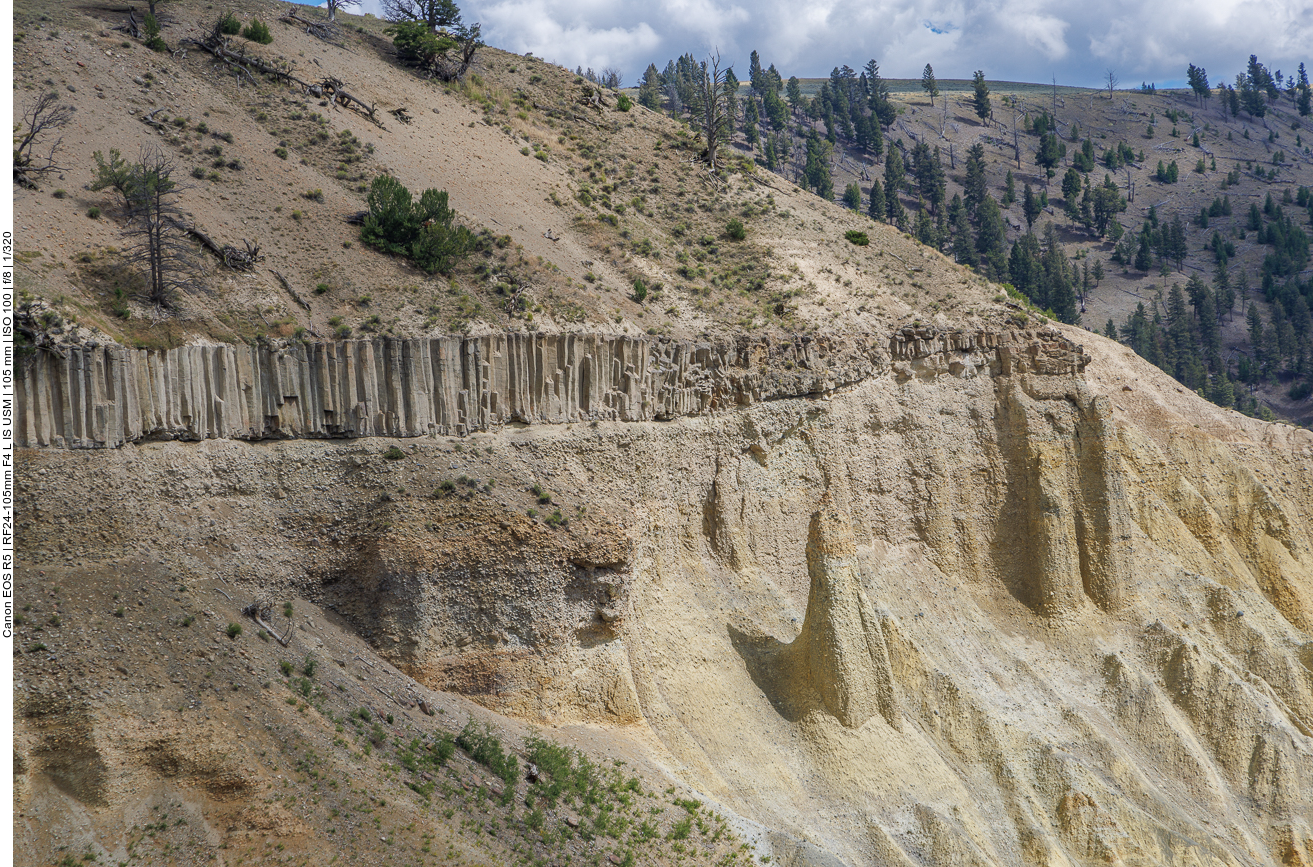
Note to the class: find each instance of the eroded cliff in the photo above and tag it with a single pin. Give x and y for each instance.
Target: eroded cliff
(982, 604)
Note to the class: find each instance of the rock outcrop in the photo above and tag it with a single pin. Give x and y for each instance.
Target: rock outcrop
(97, 395)
(841, 651)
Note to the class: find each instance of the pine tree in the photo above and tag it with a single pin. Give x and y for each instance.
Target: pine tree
(928, 83)
(893, 180)
(1061, 295)
(816, 173)
(649, 89)
(928, 170)
(964, 246)
(852, 196)
(991, 238)
(1050, 153)
(876, 205)
(1009, 191)
(1254, 85)
(1030, 207)
(973, 186)
(154, 220)
(1198, 80)
(1305, 100)
(981, 97)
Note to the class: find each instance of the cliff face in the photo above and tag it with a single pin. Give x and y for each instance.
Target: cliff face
(983, 604)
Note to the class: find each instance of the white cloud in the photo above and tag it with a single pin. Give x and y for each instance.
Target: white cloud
(1008, 39)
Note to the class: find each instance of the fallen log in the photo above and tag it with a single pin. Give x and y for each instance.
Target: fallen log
(325, 30)
(290, 291)
(232, 257)
(256, 611)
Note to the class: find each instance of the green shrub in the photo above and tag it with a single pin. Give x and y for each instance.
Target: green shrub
(151, 26)
(258, 31)
(734, 230)
(423, 231)
(855, 237)
(229, 25)
(93, 212)
(308, 667)
(640, 291)
(394, 454)
(485, 749)
(280, 152)
(234, 630)
(285, 667)
(624, 103)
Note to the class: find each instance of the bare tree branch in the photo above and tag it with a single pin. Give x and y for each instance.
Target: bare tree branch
(39, 121)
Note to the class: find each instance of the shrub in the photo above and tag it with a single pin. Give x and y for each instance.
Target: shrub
(93, 212)
(640, 291)
(394, 454)
(280, 152)
(855, 237)
(234, 630)
(313, 195)
(285, 667)
(485, 749)
(308, 668)
(151, 26)
(734, 230)
(258, 31)
(423, 231)
(229, 25)
(60, 194)
(624, 103)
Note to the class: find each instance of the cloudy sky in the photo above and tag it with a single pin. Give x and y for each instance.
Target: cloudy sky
(1016, 40)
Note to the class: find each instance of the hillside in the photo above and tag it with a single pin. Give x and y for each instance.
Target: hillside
(1221, 159)
(630, 538)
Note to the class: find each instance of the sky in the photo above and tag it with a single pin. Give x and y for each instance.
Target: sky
(1010, 40)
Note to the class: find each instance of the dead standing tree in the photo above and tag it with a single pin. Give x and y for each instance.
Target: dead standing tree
(39, 122)
(711, 108)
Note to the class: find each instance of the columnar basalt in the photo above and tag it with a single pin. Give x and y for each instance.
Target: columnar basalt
(103, 395)
(106, 395)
